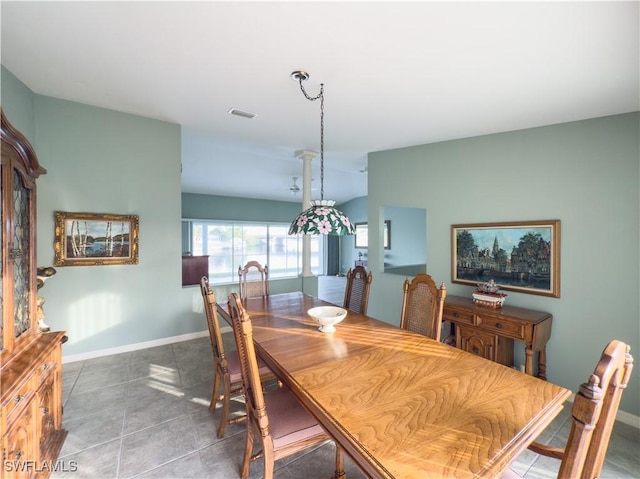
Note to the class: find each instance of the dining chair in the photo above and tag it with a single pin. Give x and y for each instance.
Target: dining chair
(254, 280)
(281, 422)
(422, 305)
(593, 415)
(227, 364)
(356, 294)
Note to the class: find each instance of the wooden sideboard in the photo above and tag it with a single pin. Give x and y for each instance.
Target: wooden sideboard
(490, 332)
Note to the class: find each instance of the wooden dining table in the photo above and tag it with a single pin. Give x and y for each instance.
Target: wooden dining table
(400, 404)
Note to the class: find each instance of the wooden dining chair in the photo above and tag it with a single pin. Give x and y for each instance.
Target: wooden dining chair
(227, 364)
(593, 415)
(283, 425)
(422, 305)
(254, 280)
(356, 294)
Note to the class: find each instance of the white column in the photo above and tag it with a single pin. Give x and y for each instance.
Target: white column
(306, 156)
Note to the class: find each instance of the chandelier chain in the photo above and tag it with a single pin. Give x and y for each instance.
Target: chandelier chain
(321, 218)
(319, 96)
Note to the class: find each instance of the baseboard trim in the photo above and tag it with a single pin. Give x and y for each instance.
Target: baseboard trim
(628, 418)
(72, 358)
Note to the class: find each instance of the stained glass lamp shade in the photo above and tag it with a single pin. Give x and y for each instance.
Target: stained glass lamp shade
(322, 219)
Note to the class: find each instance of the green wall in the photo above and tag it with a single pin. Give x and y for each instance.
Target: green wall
(107, 162)
(356, 211)
(201, 207)
(407, 238)
(101, 161)
(585, 173)
(408, 229)
(17, 103)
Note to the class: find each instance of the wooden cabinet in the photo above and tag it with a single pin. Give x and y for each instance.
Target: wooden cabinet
(194, 268)
(19, 443)
(488, 345)
(30, 361)
(490, 332)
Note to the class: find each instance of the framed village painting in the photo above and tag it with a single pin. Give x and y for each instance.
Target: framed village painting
(521, 256)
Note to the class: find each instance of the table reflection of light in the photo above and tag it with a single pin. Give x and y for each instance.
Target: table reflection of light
(338, 346)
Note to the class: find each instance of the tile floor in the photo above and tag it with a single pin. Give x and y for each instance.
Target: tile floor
(144, 414)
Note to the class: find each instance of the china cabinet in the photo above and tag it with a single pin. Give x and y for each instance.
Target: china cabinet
(30, 360)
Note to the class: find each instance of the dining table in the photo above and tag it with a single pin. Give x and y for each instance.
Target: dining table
(400, 404)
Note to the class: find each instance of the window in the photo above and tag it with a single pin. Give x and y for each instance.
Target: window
(230, 245)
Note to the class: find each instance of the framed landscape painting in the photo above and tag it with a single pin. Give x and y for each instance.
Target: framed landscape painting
(89, 239)
(521, 256)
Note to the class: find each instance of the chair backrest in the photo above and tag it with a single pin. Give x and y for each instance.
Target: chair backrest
(422, 304)
(254, 398)
(356, 294)
(594, 412)
(215, 334)
(254, 280)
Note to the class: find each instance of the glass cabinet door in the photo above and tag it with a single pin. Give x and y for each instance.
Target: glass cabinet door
(19, 170)
(19, 256)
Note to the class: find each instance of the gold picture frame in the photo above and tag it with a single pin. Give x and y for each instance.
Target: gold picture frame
(90, 239)
(522, 256)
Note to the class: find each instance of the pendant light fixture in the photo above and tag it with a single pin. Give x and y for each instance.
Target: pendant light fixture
(321, 218)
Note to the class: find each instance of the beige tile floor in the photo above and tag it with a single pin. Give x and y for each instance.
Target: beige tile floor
(144, 414)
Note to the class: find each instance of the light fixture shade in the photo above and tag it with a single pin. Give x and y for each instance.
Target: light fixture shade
(322, 219)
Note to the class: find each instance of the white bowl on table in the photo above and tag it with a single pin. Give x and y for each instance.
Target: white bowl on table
(327, 317)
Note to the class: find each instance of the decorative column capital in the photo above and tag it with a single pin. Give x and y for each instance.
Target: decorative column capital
(306, 154)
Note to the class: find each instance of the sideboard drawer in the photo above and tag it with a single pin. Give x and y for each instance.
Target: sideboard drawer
(458, 316)
(502, 326)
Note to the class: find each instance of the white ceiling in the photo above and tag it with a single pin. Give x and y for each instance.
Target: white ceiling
(396, 74)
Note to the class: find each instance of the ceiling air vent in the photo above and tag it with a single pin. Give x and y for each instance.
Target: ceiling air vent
(243, 114)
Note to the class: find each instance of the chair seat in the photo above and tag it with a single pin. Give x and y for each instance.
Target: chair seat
(233, 363)
(289, 421)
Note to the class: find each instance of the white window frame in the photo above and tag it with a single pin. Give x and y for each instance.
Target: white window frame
(230, 277)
